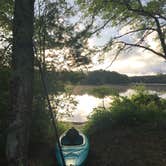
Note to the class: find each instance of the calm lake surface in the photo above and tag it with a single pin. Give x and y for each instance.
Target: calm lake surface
(86, 103)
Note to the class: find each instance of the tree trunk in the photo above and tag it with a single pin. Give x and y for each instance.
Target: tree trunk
(21, 90)
(161, 36)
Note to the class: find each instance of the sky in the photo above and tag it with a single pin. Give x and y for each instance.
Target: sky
(136, 61)
(132, 62)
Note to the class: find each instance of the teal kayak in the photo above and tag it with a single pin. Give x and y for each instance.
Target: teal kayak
(74, 154)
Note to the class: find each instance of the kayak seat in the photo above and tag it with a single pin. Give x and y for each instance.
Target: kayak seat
(72, 137)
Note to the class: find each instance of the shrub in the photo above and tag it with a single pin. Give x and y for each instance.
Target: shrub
(140, 108)
(100, 119)
(42, 130)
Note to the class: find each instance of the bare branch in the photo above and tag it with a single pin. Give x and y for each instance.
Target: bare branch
(116, 56)
(141, 46)
(134, 31)
(161, 16)
(101, 27)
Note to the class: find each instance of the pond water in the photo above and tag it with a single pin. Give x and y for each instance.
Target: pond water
(86, 103)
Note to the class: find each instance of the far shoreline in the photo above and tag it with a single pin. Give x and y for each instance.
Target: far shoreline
(82, 89)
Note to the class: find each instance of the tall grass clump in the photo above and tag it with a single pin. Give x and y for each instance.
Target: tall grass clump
(142, 107)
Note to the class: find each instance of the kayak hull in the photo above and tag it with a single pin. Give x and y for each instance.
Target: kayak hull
(74, 155)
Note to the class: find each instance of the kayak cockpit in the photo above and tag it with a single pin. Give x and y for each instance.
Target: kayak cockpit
(72, 138)
(75, 148)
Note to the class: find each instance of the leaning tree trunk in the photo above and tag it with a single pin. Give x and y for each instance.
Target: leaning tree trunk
(21, 84)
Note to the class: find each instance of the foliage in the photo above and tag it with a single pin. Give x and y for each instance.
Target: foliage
(140, 18)
(6, 14)
(63, 126)
(54, 29)
(6, 17)
(102, 92)
(42, 130)
(99, 120)
(72, 77)
(100, 77)
(57, 29)
(41, 127)
(4, 106)
(160, 78)
(140, 108)
(54, 33)
(67, 77)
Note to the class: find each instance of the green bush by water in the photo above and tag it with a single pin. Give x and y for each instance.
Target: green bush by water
(140, 108)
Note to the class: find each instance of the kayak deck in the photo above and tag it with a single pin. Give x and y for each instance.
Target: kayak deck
(75, 153)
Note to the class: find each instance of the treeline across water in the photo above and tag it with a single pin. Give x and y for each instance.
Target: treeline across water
(100, 77)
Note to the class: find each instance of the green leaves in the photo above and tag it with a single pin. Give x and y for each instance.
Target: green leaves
(140, 108)
(139, 17)
(6, 14)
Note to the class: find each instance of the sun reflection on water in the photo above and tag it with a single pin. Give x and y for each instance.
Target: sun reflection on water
(86, 104)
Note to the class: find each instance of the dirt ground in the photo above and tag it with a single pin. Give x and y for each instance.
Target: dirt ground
(129, 146)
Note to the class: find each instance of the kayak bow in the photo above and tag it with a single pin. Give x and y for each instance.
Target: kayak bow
(74, 155)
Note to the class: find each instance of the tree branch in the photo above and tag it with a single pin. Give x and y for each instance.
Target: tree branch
(134, 31)
(101, 27)
(161, 16)
(161, 36)
(116, 56)
(141, 46)
(140, 11)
